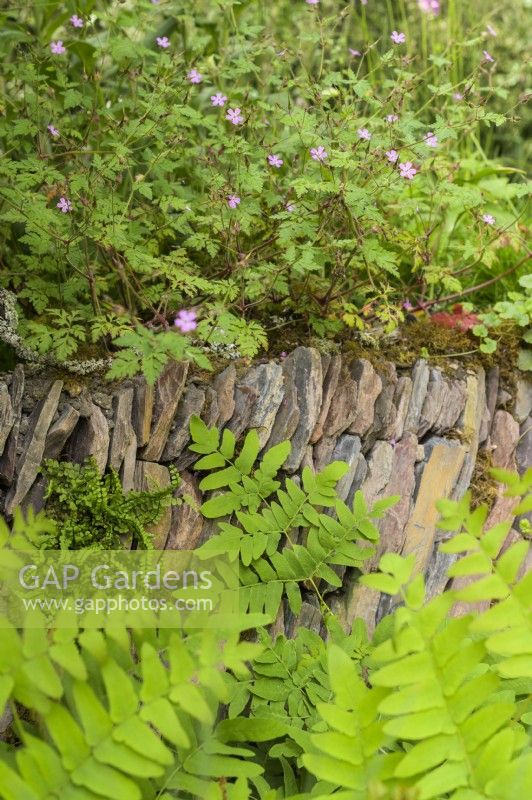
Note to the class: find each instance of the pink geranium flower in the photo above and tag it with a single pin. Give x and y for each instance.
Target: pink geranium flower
(194, 76)
(234, 115)
(218, 99)
(431, 140)
(76, 21)
(392, 156)
(488, 219)
(398, 38)
(275, 161)
(53, 131)
(312, 2)
(491, 30)
(186, 321)
(290, 207)
(407, 170)
(318, 153)
(57, 48)
(429, 6)
(457, 96)
(163, 41)
(233, 201)
(354, 53)
(487, 57)
(64, 205)
(363, 133)
(392, 118)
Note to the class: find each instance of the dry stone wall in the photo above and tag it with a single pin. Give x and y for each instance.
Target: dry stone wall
(416, 433)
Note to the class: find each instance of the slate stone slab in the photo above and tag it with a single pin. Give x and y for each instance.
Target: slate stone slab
(31, 457)
(169, 389)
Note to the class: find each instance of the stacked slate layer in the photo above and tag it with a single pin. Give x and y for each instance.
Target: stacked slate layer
(413, 432)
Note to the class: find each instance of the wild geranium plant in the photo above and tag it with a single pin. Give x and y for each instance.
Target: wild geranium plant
(294, 162)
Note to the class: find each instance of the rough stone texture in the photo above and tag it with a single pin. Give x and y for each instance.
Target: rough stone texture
(7, 416)
(343, 407)
(348, 449)
(452, 407)
(523, 453)
(308, 382)
(361, 600)
(168, 391)
(191, 403)
(369, 387)
(9, 455)
(30, 459)
(123, 432)
(380, 461)
(142, 416)
(492, 389)
(149, 475)
(224, 386)
(436, 399)
(267, 380)
(385, 415)
(332, 371)
(59, 432)
(187, 522)
(523, 400)
(90, 438)
(245, 401)
(316, 402)
(438, 480)
(6, 718)
(504, 438)
(420, 382)
(402, 396)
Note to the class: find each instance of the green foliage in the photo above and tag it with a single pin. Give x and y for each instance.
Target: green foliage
(147, 352)
(434, 707)
(516, 310)
(92, 511)
(149, 164)
(283, 538)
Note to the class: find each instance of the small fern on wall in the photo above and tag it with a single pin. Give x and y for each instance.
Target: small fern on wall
(93, 511)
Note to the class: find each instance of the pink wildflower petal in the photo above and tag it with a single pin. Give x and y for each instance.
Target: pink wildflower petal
(319, 153)
(234, 115)
(194, 76)
(392, 156)
(392, 118)
(233, 201)
(407, 170)
(186, 321)
(429, 6)
(398, 38)
(76, 21)
(57, 48)
(218, 99)
(275, 161)
(487, 57)
(163, 41)
(53, 131)
(431, 140)
(488, 219)
(363, 133)
(64, 205)
(354, 53)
